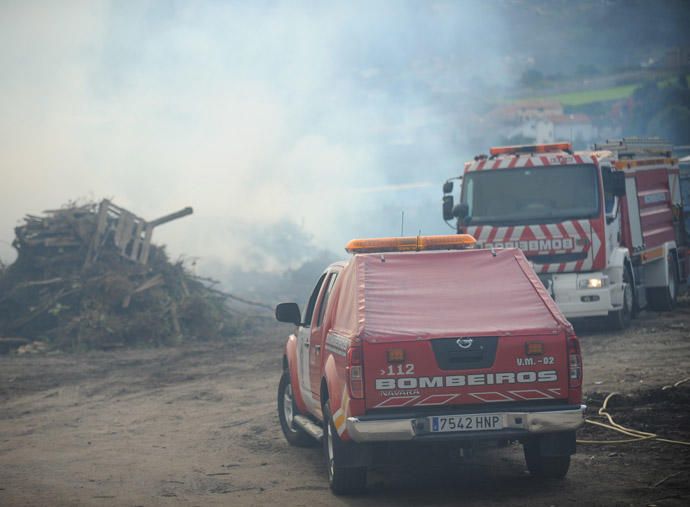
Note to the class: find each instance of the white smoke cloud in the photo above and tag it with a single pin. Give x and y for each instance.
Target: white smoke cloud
(251, 112)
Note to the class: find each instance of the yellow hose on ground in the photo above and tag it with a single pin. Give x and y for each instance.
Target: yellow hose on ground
(636, 434)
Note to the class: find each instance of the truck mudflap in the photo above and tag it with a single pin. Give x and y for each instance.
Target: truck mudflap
(499, 425)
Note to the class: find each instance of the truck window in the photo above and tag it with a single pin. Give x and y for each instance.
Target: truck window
(532, 194)
(469, 196)
(326, 296)
(312, 302)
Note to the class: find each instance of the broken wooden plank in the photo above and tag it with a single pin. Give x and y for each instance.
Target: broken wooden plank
(148, 284)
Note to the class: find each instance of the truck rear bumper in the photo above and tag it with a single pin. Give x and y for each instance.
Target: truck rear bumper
(515, 424)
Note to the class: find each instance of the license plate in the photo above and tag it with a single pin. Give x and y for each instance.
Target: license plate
(473, 422)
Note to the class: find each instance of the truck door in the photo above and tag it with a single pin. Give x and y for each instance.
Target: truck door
(318, 334)
(303, 341)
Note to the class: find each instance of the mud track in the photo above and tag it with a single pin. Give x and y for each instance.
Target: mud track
(198, 426)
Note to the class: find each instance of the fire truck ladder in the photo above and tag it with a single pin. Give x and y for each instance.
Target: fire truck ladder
(635, 147)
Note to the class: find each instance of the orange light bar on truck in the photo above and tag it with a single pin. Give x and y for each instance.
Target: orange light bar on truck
(411, 243)
(531, 148)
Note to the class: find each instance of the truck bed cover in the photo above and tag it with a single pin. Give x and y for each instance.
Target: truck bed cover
(413, 295)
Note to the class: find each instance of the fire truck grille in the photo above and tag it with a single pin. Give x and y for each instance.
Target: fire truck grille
(558, 258)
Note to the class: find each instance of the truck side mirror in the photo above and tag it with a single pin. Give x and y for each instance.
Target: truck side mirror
(447, 187)
(448, 206)
(461, 210)
(288, 312)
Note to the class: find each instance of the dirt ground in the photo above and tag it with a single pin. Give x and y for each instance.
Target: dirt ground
(197, 425)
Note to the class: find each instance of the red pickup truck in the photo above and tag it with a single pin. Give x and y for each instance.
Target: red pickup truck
(427, 343)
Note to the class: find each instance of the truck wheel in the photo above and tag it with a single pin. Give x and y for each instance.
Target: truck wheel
(545, 467)
(286, 412)
(664, 298)
(342, 480)
(620, 319)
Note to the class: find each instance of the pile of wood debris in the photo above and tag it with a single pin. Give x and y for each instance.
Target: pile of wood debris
(89, 277)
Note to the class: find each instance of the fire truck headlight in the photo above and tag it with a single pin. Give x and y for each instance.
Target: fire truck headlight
(595, 282)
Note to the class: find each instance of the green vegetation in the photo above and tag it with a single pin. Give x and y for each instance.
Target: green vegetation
(584, 97)
(661, 111)
(589, 96)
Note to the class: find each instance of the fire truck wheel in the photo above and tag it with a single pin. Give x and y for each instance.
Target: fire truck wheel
(545, 467)
(620, 319)
(664, 298)
(342, 480)
(286, 412)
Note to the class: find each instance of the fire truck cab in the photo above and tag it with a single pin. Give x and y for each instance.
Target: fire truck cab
(602, 228)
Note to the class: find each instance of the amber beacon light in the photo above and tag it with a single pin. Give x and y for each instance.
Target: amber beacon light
(411, 243)
(531, 148)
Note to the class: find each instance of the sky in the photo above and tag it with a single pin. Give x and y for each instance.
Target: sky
(256, 114)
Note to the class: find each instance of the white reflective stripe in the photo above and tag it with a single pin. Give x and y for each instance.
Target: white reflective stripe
(474, 165)
(633, 212)
(554, 230)
(437, 399)
(339, 421)
(340, 415)
(499, 237)
(535, 230)
(541, 395)
(486, 230)
(673, 185)
(572, 232)
(397, 401)
(486, 397)
(517, 233)
(539, 234)
(594, 246)
(521, 161)
(570, 266)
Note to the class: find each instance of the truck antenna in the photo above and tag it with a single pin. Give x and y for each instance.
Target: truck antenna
(402, 223)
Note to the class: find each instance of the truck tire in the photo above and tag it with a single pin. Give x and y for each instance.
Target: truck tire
(286, 411)
(620, 319)
(342, 480)
(664, 298)
(545, 467)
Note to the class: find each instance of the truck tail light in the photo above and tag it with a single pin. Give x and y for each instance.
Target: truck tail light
(355, 373)
(574, 362)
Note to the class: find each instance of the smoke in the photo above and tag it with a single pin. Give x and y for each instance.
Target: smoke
(257, 114)
(322, 122)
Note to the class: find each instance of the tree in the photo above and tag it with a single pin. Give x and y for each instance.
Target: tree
(661, 111)
(672, 124)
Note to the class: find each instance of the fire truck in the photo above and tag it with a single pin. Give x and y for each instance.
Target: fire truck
(602, 228)
(424, 349)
